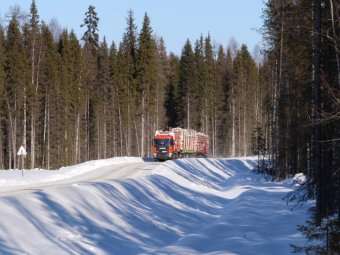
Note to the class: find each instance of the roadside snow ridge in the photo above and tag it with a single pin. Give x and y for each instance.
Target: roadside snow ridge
(187, 206)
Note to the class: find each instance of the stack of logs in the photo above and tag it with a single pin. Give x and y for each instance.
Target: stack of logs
(190, 141)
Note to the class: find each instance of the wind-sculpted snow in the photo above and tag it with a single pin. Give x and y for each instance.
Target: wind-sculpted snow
(188, 206)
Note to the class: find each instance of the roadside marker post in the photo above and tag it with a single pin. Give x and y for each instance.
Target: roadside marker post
(22, 153)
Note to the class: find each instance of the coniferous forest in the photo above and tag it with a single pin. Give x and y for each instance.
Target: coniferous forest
(68, 100)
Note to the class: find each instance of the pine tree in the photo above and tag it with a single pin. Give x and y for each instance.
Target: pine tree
(91, 22)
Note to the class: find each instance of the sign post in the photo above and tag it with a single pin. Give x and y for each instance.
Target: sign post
(22, 153)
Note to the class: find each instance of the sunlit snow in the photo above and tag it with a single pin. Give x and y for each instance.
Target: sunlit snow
(187, 206)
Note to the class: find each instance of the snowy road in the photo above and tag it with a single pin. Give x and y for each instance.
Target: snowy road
(111, 172)
(128, 206)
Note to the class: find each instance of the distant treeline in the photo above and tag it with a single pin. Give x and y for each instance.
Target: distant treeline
(69, 100)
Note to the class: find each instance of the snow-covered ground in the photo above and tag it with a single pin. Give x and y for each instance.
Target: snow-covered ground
(127, 206)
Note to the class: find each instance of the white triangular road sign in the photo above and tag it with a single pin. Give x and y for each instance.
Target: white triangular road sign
(22, 151)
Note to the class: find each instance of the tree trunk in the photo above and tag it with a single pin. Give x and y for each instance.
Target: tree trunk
(120, 123)
(233, 128)
(25, 125)
(244, 130)
(239, 131)
(98, 136)
(317, 106)
(48, 135)
(104, 133)
(77, 147)
(336, 41)
(188, 112)
(137, 140)
(44, 131)
(14, 143)
(32, 138)
(87, 126)
(128, 137)
(143, 124)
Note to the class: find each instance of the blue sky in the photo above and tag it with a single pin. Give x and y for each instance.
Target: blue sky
(174, 20)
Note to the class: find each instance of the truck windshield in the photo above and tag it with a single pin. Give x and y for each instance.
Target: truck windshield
(162, 142)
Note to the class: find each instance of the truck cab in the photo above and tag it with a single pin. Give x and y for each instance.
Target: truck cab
(163, 146)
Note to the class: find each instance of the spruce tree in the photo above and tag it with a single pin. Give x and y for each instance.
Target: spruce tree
(34, 54)
(147, 79)
(78, 98)
(15, 85)
(2, 98)
(187, 70)
(222, 120)
(103, 86)
(172, 94)
(128, 58)
(163, 67)
(200, 87)
(212, 89)
(90, 62)
(49, 76)
(244, 84)
(115, 122)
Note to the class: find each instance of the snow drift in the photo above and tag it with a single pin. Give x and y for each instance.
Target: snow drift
(188, 206)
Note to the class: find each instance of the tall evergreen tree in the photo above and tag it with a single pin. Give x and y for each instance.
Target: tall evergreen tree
(128, 58)
(103, 85)
(15, 85)
(201, 73)
(222, 119)
(172, 94)
(115, 123)
(34, 54)
(187, 70)
(163, 68)
(146, 67)
(2, 98)
(212, 89)
(91, 22)
(78, 99)
(49, 75)
(90, 68)
(244, 79)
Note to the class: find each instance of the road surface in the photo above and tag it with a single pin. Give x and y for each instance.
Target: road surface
(111, 172)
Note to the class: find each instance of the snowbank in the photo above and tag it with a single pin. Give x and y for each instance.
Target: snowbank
(187, 206)
(14, 177)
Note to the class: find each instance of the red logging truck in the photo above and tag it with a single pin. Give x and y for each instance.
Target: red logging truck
(177, 142)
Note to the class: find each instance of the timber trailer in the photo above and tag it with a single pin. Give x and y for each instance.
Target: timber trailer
(179, 142)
